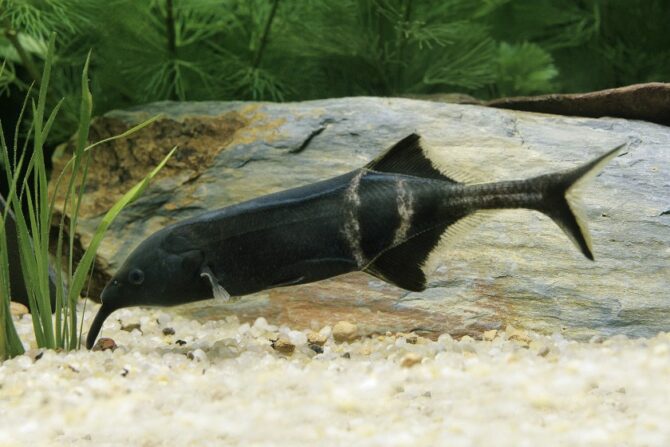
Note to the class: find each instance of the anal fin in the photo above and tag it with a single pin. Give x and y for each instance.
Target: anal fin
(452, 234)
(407, 264)
(401, 265)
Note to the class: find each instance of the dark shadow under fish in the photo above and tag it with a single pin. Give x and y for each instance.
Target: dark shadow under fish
(390, 219)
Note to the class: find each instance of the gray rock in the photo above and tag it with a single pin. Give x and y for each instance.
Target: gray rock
(517, 268)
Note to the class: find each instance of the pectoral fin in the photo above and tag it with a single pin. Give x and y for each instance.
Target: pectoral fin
(220, 294)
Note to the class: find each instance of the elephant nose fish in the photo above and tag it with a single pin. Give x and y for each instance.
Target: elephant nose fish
(393, 218)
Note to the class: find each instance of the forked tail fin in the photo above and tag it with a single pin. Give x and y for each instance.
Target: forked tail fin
(561, 199)
(556, 195)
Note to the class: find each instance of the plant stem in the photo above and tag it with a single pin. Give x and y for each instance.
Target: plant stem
(13, 36)
(171, 43)
(401, 40)
(264, 38)
(169, 24)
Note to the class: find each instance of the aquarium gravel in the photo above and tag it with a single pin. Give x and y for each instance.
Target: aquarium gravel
(175, 382)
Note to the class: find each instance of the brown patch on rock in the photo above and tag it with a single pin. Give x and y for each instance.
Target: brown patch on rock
(649, 102)
(117, 165)
(263, 128)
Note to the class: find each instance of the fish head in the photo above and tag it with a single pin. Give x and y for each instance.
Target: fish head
(155, 274)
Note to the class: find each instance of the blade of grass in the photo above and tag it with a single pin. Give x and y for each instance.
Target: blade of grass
(125, 134)
(37, 262)
(25, 245)
(10, 344)
(85, 111)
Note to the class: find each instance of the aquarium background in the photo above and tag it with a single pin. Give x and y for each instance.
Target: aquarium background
(289, 50)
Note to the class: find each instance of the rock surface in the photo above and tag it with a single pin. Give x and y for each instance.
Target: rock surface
(517, 268)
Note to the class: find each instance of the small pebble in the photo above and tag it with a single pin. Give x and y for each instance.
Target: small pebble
(198, 355)
(410, 338)
(18, 309)
(345, 331)
(104, 344)
(131, 327)
(489, 335)
(283, 345)
(540, 348)
(519, 335)
(410, 359)
(316, 348)
(35, 354)
(316, 338)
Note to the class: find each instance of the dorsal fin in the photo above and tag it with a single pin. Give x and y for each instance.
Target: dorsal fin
(407, 157)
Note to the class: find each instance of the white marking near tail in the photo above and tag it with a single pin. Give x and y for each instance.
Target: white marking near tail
(352, 227)
(405, 202)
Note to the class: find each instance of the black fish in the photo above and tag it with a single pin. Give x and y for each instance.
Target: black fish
(385, 219)
(17, 282)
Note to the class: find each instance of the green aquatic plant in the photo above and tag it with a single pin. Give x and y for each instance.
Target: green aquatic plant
(295, 50)
(28, 190)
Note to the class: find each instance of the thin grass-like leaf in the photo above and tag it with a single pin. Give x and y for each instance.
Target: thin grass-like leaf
(125, 134)
(10, 344)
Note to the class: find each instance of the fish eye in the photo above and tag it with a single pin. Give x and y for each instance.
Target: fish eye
(136, 277)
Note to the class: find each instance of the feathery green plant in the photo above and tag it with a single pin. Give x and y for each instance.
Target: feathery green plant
(33, 228)
(286, 50)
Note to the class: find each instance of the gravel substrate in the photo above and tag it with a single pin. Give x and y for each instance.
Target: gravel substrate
(175, 382)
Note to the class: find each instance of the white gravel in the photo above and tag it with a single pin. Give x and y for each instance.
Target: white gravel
(228, 386)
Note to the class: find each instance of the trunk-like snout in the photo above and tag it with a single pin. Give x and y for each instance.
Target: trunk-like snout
(104, 312)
